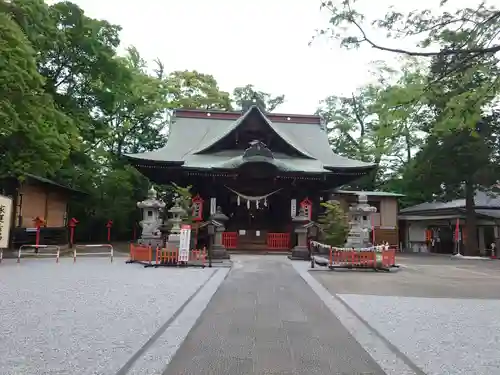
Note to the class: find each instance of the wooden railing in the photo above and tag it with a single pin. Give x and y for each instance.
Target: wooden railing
(278, 241)
(230, 240)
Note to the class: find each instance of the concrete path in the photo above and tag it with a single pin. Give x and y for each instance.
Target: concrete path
(265, 319)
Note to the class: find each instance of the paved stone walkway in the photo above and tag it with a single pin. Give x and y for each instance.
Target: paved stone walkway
(265, 319)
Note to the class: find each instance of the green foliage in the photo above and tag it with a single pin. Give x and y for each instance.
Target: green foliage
(191, 89)
(2, 222)
(71, 107)
(462, 31)
(42, 135)
(247, 95)
(334, 224)
(379, 123)
(186, 201)
(439, 118)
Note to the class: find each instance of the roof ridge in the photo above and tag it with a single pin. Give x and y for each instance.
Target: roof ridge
(240, 120)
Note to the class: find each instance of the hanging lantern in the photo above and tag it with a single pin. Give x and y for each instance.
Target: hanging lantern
(238, 200)
(306, 205)
(248, 204)
(197, 208)
(257, 204)
(265, 202)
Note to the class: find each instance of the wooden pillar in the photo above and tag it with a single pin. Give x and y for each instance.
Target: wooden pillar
(480, 239)
(46, 208)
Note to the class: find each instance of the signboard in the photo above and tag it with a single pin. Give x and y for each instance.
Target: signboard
(213, 206)
(5, 220)
(293, 208)
(185, 239)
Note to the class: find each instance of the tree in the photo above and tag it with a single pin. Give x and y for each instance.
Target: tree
(334, 224)
(35, 136)
(194, 90)
(378, 124)
(468, 35)
(135, 111)
(471, 147)
(71, 106)
(477, 28)
(246, 96)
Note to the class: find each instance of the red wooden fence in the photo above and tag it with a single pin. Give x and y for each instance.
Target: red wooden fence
(230, 240)
(278, 241)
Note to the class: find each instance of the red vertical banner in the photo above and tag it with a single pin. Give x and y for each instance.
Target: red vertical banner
(457, 231)
(109, 225)
(38, 224)
(72, 224)
(373, 229)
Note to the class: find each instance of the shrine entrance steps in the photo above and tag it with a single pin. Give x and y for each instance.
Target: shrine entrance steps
(264, 319)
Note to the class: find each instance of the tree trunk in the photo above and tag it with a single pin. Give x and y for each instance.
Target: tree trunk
(471, 246)
(408, 144)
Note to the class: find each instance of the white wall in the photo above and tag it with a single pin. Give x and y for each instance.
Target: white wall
(416, 236)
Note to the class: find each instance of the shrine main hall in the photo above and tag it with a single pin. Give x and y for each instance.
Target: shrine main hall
(260, 169)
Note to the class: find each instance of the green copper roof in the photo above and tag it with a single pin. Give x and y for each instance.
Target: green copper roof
(189, 137)
(283, 135)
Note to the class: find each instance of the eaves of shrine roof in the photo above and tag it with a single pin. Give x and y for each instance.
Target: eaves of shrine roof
(482, 200)
(231, 159)
(193, 133)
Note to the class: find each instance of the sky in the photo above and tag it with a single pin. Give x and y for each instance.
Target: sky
(259, 42)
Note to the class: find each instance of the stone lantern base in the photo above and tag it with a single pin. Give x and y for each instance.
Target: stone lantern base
(219, 252)
(300, 253)
(152, 241)
(174, 241)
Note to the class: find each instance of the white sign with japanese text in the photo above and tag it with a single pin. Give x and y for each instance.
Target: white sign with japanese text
(293, 207)
(185, 239)
(5, 220)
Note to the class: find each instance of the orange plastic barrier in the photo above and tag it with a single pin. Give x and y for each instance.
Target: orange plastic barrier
(171, 256)
(166, 256)
(140, 254)
(382, 259)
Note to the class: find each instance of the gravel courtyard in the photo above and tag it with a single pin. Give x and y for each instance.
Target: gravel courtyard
(441, 315)
(84, 318)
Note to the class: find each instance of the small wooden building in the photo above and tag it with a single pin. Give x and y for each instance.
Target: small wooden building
(430, 226)
(38, 197)
(259, 168)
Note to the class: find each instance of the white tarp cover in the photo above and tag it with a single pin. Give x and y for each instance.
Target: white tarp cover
(5, 220)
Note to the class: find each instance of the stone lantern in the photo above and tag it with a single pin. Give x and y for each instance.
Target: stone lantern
(174, 238)
(218, 250)
(151, 220)
(360, 223)
(301, 251)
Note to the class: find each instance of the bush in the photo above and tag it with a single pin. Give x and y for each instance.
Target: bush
(334, 224)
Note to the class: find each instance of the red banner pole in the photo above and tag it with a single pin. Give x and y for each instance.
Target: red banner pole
(109, 225)
(37, 238)
(373, 230)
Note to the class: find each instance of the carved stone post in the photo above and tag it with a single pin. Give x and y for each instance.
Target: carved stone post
(218, 249)
(301, 252)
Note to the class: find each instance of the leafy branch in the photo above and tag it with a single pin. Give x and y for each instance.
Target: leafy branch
(476, 30)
